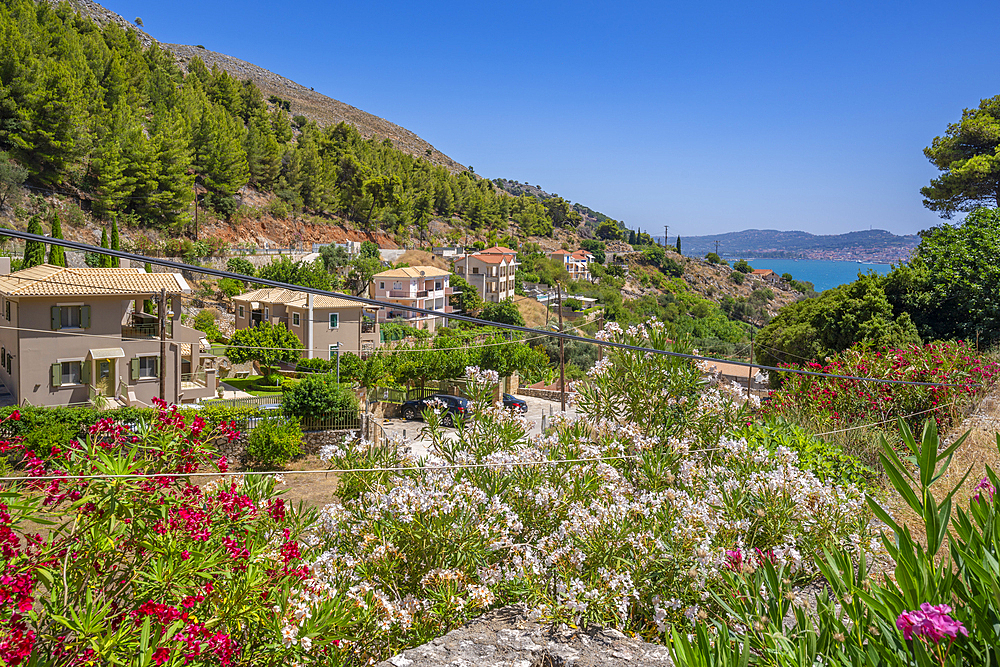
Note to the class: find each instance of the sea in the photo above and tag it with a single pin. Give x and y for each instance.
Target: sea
(822, 273)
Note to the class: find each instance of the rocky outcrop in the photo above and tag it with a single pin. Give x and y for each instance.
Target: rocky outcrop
(508, 637)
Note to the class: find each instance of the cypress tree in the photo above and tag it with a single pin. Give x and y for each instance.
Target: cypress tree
(631, 237)
(57, 254)
(678, 244)
(105, 259)
(115, 244)
(34, 251)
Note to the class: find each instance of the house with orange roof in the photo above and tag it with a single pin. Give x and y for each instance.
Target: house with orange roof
(416, 286)
(327, 325)
(577, 263)
(767, 275)
(490, 271)
(82, 335)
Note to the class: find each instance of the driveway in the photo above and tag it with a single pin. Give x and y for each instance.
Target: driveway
(410, 430)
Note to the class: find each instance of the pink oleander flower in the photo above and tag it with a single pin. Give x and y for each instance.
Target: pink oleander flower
(986, 486)
(930, 622)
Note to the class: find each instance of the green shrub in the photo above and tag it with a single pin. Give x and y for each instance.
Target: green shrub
(742, 266)
(230, 287)
(713, 258)
(737, 277)
(274, 442)
(241, 266)
(317, 396)
(315, 365)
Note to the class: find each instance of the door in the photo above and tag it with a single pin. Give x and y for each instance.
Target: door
(105, 376)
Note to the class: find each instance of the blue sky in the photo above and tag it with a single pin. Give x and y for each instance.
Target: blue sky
(708, 117)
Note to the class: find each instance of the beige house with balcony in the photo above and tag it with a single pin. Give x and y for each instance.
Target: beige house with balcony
(416, 286)
(490, 271)
(70, 335)
(324, 324)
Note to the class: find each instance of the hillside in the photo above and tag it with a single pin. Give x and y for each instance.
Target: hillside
(876, 245)
(304, 101)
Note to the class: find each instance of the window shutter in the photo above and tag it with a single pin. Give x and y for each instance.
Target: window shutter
(156, 366)
(85, 367)
(56, 319)
(134, 368)
(85, 317)
(56, 375)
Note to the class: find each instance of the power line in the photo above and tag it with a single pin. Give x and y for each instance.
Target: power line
(180, 266)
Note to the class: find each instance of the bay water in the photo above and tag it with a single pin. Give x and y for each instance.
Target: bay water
(822, 273)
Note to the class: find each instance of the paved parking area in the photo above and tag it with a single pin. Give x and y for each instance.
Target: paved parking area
(410, 430)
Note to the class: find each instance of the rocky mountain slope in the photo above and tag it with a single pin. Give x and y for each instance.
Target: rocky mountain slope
(866, 245)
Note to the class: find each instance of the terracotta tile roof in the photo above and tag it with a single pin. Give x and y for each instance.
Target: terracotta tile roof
(413, 272)
(294, 298)
(493, 259)
(48, 280)
(763, 272)
(560, 252)
(498, 250)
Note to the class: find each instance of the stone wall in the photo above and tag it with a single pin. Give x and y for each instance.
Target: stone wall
(547, 394)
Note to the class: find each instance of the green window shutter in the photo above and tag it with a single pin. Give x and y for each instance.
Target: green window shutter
(56, 375)
(56, 318)
(85, 372)
(85, 317)
(134, 368)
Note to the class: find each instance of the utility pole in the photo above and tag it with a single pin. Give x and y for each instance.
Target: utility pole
(666, 228)
(716, 246)
(195, 188)
(562, 354)
(163, 344)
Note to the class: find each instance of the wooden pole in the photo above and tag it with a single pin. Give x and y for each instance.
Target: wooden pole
(163, 344)
(562, 354)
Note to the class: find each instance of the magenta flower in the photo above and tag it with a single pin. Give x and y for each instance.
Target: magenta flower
(986, 486)
(930, 622)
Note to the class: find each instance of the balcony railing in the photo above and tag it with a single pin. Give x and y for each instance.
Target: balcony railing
(398, 293)
(197, 379)
(140, 331)
(368, 326)
(421, 293)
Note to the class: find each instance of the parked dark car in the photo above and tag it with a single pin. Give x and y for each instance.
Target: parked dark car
(510, 401)
(454, 405)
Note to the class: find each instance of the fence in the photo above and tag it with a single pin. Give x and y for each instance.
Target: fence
(342, 420)
(401, 395)
(246, 400)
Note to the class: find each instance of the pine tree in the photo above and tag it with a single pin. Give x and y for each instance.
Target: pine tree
(57, 254)
(114, 262)
(34, 251)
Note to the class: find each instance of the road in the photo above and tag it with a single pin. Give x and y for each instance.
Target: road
(410, 431)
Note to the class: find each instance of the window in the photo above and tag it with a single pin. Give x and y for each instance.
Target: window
(148, 367)
(70, 373)
(242, 312)
(10, 365)
(295, 319)
(381, 284)
(334, 320)
(71, 316)
(437, 284)
(144, 367)
(267, 314)
(7, 311)
(397, 285)
(475, 269)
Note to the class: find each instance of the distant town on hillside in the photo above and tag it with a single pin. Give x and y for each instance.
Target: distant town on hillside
(875, 245)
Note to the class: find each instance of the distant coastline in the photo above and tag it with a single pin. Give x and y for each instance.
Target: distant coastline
(875, 246)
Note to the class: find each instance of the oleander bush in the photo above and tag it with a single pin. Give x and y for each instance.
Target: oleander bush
(938, 606)
(636, 541)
